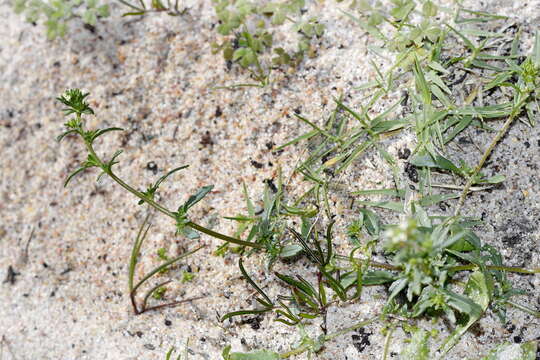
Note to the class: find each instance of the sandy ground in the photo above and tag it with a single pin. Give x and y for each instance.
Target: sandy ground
(155, 78)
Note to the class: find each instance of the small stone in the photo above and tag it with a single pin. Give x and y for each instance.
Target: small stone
(152, 166)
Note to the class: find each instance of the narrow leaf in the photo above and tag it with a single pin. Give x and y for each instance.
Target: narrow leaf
(198, 196)
(73, 174)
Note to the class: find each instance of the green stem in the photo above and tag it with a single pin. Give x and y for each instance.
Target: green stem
(222, 236)
(387, 342)
(515, 112)
(163, 209)
(454, 268)
(141, 235)
(141, 196)
(498, 268)
(120, 182)
(371, 263)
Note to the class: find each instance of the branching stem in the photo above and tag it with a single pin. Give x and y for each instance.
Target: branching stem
(105, 168)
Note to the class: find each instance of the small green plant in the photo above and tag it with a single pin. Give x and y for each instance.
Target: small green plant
(187, 276)
(57, 13)
(159, 293)
(250, 23)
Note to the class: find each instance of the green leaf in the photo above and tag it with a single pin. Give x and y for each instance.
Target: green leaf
(74, 100)
(421, 83)
(244, 312)
(370, 278)
(103, 11)
(289, 251)
(301, 285)
(390, 205)
(435, 199)
(134, 13)
(494, 179)
(468, 242)
(73, 174)
(104, 131)
(90, 17)
(438, 161)
(252, 283)
(189, 233)
(429, 9)
(377, 277)
(464, 304)
(402, 9)
(461, 125)
(198, 196)
(478, 291)
(335, 285)
(60, 137)
(371, 222)
(479, 288)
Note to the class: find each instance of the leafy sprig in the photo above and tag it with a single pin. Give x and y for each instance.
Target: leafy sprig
(75, 104)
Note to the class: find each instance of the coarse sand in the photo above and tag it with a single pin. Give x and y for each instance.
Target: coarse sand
(156, 78)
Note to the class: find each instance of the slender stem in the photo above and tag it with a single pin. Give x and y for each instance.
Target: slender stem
(134, 303)
(352, 328)
(454, 268)
(146, 199)
(141, 235)
(152, 291)
(120, 182)
(387, 342)
(372, 263)
(164, 266)
(514, 114)
(297, 351)
(498, 268)
(171, 304)
(163, 209)
(222, 236)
